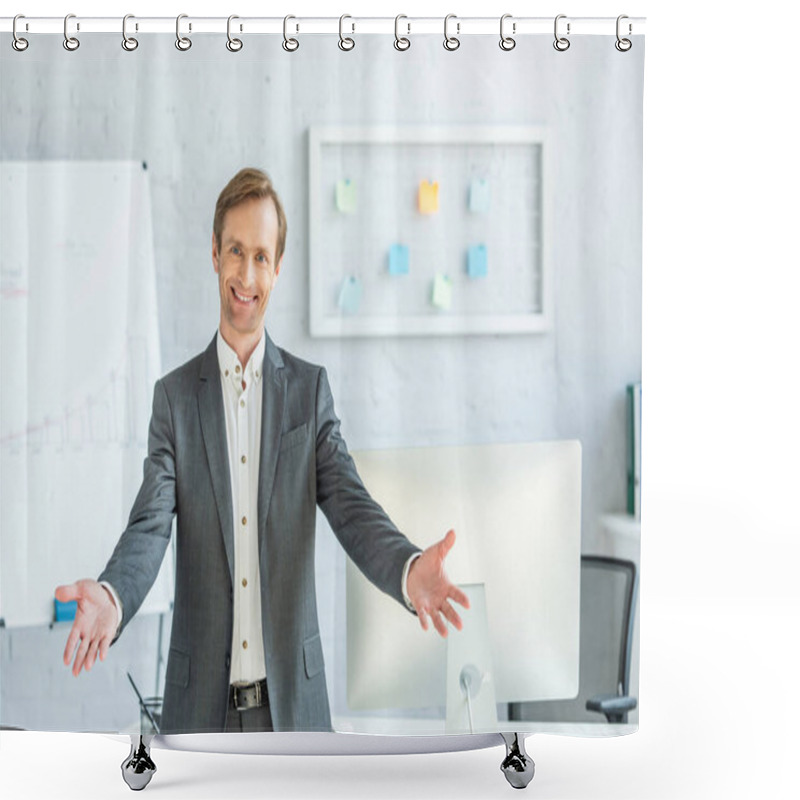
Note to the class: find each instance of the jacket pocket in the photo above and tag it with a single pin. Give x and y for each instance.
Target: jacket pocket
(178, 668)
(312, 656)
(294, 437)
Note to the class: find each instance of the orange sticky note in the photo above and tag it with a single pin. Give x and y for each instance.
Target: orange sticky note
(428, 197)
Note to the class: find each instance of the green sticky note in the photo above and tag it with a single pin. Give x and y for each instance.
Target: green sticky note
(442, 294)
(346, 196)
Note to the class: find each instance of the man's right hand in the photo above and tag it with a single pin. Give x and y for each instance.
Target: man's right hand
(95, 623)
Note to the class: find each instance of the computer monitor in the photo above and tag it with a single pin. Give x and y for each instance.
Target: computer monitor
(516, 510)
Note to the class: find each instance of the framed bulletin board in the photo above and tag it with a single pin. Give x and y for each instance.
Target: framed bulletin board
(428, 230)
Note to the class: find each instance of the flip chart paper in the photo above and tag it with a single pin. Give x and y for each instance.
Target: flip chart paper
(346, 196)
(428, 197)
(398, 259)
(442, 296)
(477, 261)
(350, 295)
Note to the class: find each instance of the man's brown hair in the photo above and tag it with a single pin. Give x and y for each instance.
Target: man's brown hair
(249, 183)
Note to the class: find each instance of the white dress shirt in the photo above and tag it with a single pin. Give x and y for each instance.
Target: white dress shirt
(242, 400)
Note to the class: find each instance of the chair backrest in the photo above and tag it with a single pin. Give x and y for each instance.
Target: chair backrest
(627, 569)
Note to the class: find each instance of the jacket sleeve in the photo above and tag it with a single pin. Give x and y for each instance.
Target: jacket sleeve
(134, 564)
(364, 529)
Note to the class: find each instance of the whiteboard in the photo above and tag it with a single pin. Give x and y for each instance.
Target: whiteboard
(353, 289)
(79, 355)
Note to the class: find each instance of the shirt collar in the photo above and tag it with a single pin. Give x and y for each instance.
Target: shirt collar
(229, 365)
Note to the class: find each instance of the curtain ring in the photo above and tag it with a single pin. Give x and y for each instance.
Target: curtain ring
(18, 43)
(70, 42)
(289, 45)
(561, 43)
(346, 43)
(507, 42)
(234, 45)
(451, 42)
(401, 43)
(182, 42)
(623, 45)
(128, 42)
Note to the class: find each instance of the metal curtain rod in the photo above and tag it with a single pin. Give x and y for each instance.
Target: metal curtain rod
(460, 26)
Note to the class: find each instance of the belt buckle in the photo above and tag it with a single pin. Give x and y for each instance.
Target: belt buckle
(244, 704)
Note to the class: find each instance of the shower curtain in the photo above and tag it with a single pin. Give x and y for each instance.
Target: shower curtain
(451, 341)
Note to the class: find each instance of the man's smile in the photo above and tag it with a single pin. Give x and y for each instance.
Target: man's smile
(243, 298)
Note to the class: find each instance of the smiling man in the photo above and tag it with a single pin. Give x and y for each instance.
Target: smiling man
(244, 444)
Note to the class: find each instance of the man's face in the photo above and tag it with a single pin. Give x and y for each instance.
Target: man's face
(245, 263)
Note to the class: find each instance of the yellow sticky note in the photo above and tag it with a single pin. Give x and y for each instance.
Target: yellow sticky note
(428, 197)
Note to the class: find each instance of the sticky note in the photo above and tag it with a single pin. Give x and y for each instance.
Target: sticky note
(398, 259)
(65, 611)
(442, 295)
(346, 196)
(479, 196)
(350, 295)
(428, 197)
(477, 261)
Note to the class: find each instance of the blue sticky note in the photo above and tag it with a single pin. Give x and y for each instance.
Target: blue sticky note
(442, 293)
(398, 259)
(477, 261)
(350, 295)
(65, 611)
(346, 196)
(479, 196)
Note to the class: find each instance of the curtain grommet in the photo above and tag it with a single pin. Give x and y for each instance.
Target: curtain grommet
(507, 43)
(70, 43)
(233, 45)
(623, 45)
(346, 43)
(451, 43)
(129, 43)
(289, 44)
(183, 43)
(401, 43)
(561, 43)
(19, 43)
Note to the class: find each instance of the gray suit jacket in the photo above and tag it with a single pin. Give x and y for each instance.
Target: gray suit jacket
(304, 463)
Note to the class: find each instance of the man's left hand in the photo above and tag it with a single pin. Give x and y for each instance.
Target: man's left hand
(429, 589)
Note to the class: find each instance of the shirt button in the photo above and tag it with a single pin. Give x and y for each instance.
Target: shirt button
(244, 520)
(226, 373)
(244, 459)
(237, 369)
(244, 582)
(241, 403)
(244, 644)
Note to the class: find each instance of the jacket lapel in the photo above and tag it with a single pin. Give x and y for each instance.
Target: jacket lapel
(212, 422)
(273, 404)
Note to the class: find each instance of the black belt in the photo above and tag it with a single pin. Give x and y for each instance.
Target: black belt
(248, 695)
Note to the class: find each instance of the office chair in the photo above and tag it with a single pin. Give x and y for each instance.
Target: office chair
(608, 605)
(616, 705)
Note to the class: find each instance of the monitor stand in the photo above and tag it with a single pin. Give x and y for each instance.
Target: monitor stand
(471, 704)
